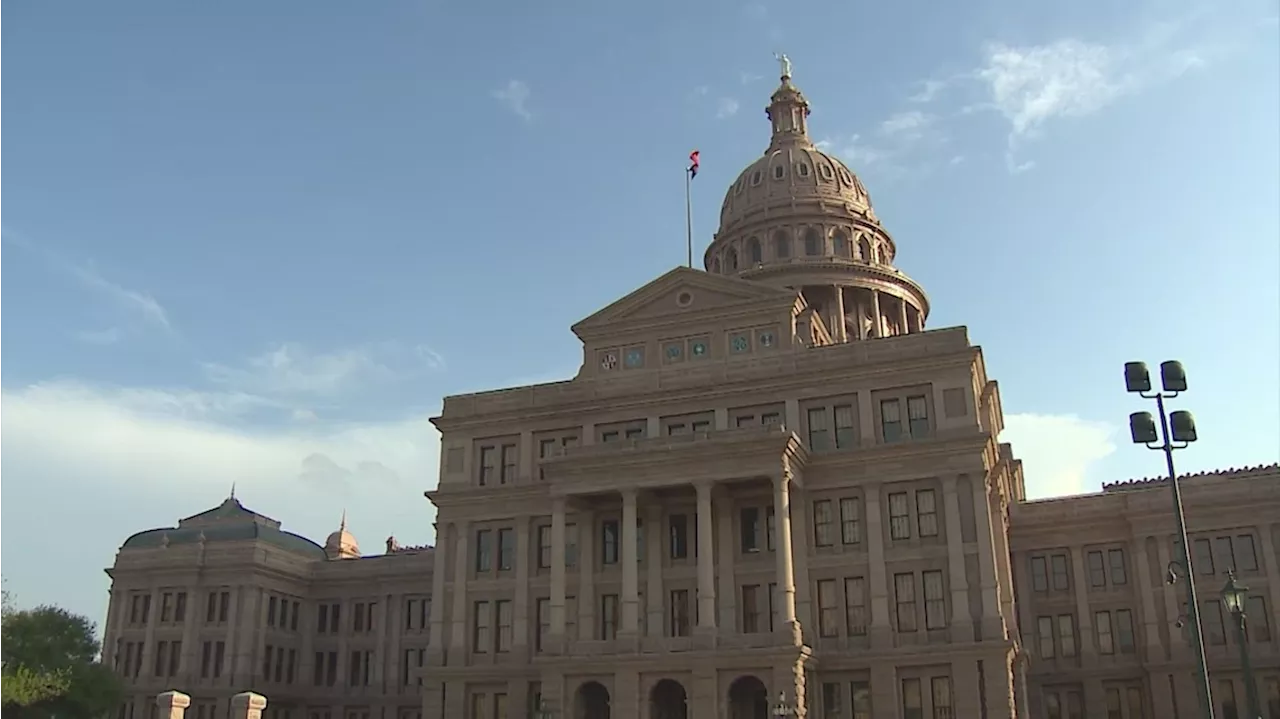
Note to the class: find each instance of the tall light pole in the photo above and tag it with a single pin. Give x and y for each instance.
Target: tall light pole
(1233, 596)
(1177, 430)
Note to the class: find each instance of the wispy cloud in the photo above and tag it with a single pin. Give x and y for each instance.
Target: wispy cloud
(912, 122)
(1058, 452)
(139, 307)
(291, 370)
(726, 107)
(747, 78)
(515, 97)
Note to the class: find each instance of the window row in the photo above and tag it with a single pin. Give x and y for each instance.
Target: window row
(1215, 619)
(1113, 634)
(1223, 553)
(279, 664)
(282, 613)
(836, 243)
(920, 600)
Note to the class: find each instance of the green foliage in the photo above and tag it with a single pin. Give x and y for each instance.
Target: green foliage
(50, 666)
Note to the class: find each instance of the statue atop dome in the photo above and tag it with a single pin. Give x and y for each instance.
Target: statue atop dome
(784, 64)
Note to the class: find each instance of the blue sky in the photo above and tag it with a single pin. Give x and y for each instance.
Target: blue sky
(257, 242)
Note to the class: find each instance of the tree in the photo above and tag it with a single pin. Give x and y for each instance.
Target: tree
(50, 666)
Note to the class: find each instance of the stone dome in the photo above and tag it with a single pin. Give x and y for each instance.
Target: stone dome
(787, 174)
(341, 544)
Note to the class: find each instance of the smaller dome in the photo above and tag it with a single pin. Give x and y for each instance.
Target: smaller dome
(342, 544)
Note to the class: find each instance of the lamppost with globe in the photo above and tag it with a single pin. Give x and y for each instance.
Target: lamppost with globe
(1233, 597)
(783, 708)
(1176, 431)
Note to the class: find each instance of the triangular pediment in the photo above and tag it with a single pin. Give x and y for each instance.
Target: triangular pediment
(681, 292)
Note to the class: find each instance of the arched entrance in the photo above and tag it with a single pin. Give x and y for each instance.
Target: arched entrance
(591, 702)
(668, 700)
(748, 699)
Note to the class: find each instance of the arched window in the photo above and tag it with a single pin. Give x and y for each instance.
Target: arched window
(731, 259)
(715, 265)
(781, 245)
(864, 250)
(840, 243)
(812, 242)
(755, 251)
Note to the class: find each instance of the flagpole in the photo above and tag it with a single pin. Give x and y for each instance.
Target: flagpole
(688, 215)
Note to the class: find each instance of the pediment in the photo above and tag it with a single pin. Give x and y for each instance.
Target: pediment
(683, 292)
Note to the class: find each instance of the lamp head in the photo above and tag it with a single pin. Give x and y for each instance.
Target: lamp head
(1182, 425)
(1142, 427)
(1172, 377)
(1136, 377)
(1233, 594)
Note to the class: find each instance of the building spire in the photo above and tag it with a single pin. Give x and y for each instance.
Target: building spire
(342, 525)
(232, 497)
(788, 111)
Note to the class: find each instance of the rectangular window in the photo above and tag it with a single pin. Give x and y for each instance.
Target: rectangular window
(891, 420)
(1067, 635)
(488, 465)
(1039, 574)
(1246, 557)
(543, 610)
(1203, 560)
(544, 547)
(845, 436)
(940, 688)
(570, 545)
(749, 529)
(609, 437)
(508, 464)
(771, 419)
(935, 604)
(926, 513)
(1115, 561)
(679, 612)
(860, 694)
(609, 545)
(608, 616)
(1224, 553)
(1097, 570)
(571, 617)
(506, 548)
(1115, 706)
(219, 656)
(678, 529)
(831, 708)
(505, 618)
(634, 433)
(828, 606)
(1137, 707)
(1061, 579)
(850, 520)
(822, 523)
(484, 550)
(1259, 624)
(1102, 627)
(1124, 631)
(855, 606)
(752, 609)
(819, 434)
(918, 416)
(166, 608)
(546, 449)
(357, 618)
(912, 701)
(480, 639)
(904, 592)
(1226, 694)
(1214, 629)
(745, 420)
(899, 516)
(1045, 634)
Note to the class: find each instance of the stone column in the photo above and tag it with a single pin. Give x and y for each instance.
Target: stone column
(1150, 621)
(727, 591)
(586, 575)
(247, 705)
(840, 330)
(557, 574)
(190, 636)
(706, 561)
(653, 594)
(149, 637)
(881, 630)
(992, 623)
(458, 613)
(800, 536)
(902, 316)
(520, 605)
(877, 317)
(436, 639)
(172, 705)
(786, 579)
(630, 566)
(917, 324)
(1085, 640)
(233, 620)
(961, 620)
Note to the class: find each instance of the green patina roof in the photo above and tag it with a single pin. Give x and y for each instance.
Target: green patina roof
(228, 522)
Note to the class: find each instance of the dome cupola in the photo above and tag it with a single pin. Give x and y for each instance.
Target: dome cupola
(341, 544)
(798, 217)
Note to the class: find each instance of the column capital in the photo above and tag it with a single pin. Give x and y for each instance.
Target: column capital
(629, 494)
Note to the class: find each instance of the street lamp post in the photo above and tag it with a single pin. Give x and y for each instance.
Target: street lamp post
(1233, 596)
(782, 708)
(1176, 431)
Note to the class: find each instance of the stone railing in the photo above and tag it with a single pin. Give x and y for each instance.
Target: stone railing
(245, 705)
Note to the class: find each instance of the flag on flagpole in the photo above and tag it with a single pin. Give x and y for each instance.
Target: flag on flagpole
(693, 164)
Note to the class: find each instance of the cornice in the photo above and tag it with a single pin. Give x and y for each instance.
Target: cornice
(782, 373)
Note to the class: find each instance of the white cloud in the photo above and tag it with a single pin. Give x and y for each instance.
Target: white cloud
(141, 303)
(929, 89)
(292, 370)
(136, 458)
(726, 107)
(1058, 451)
(912, 122)
(746, 78)
(515, 96)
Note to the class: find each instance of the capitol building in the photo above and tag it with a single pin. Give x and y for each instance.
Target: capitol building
(771, 483)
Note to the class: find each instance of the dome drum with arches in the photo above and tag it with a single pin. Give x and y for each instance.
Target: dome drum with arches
(798, 217)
